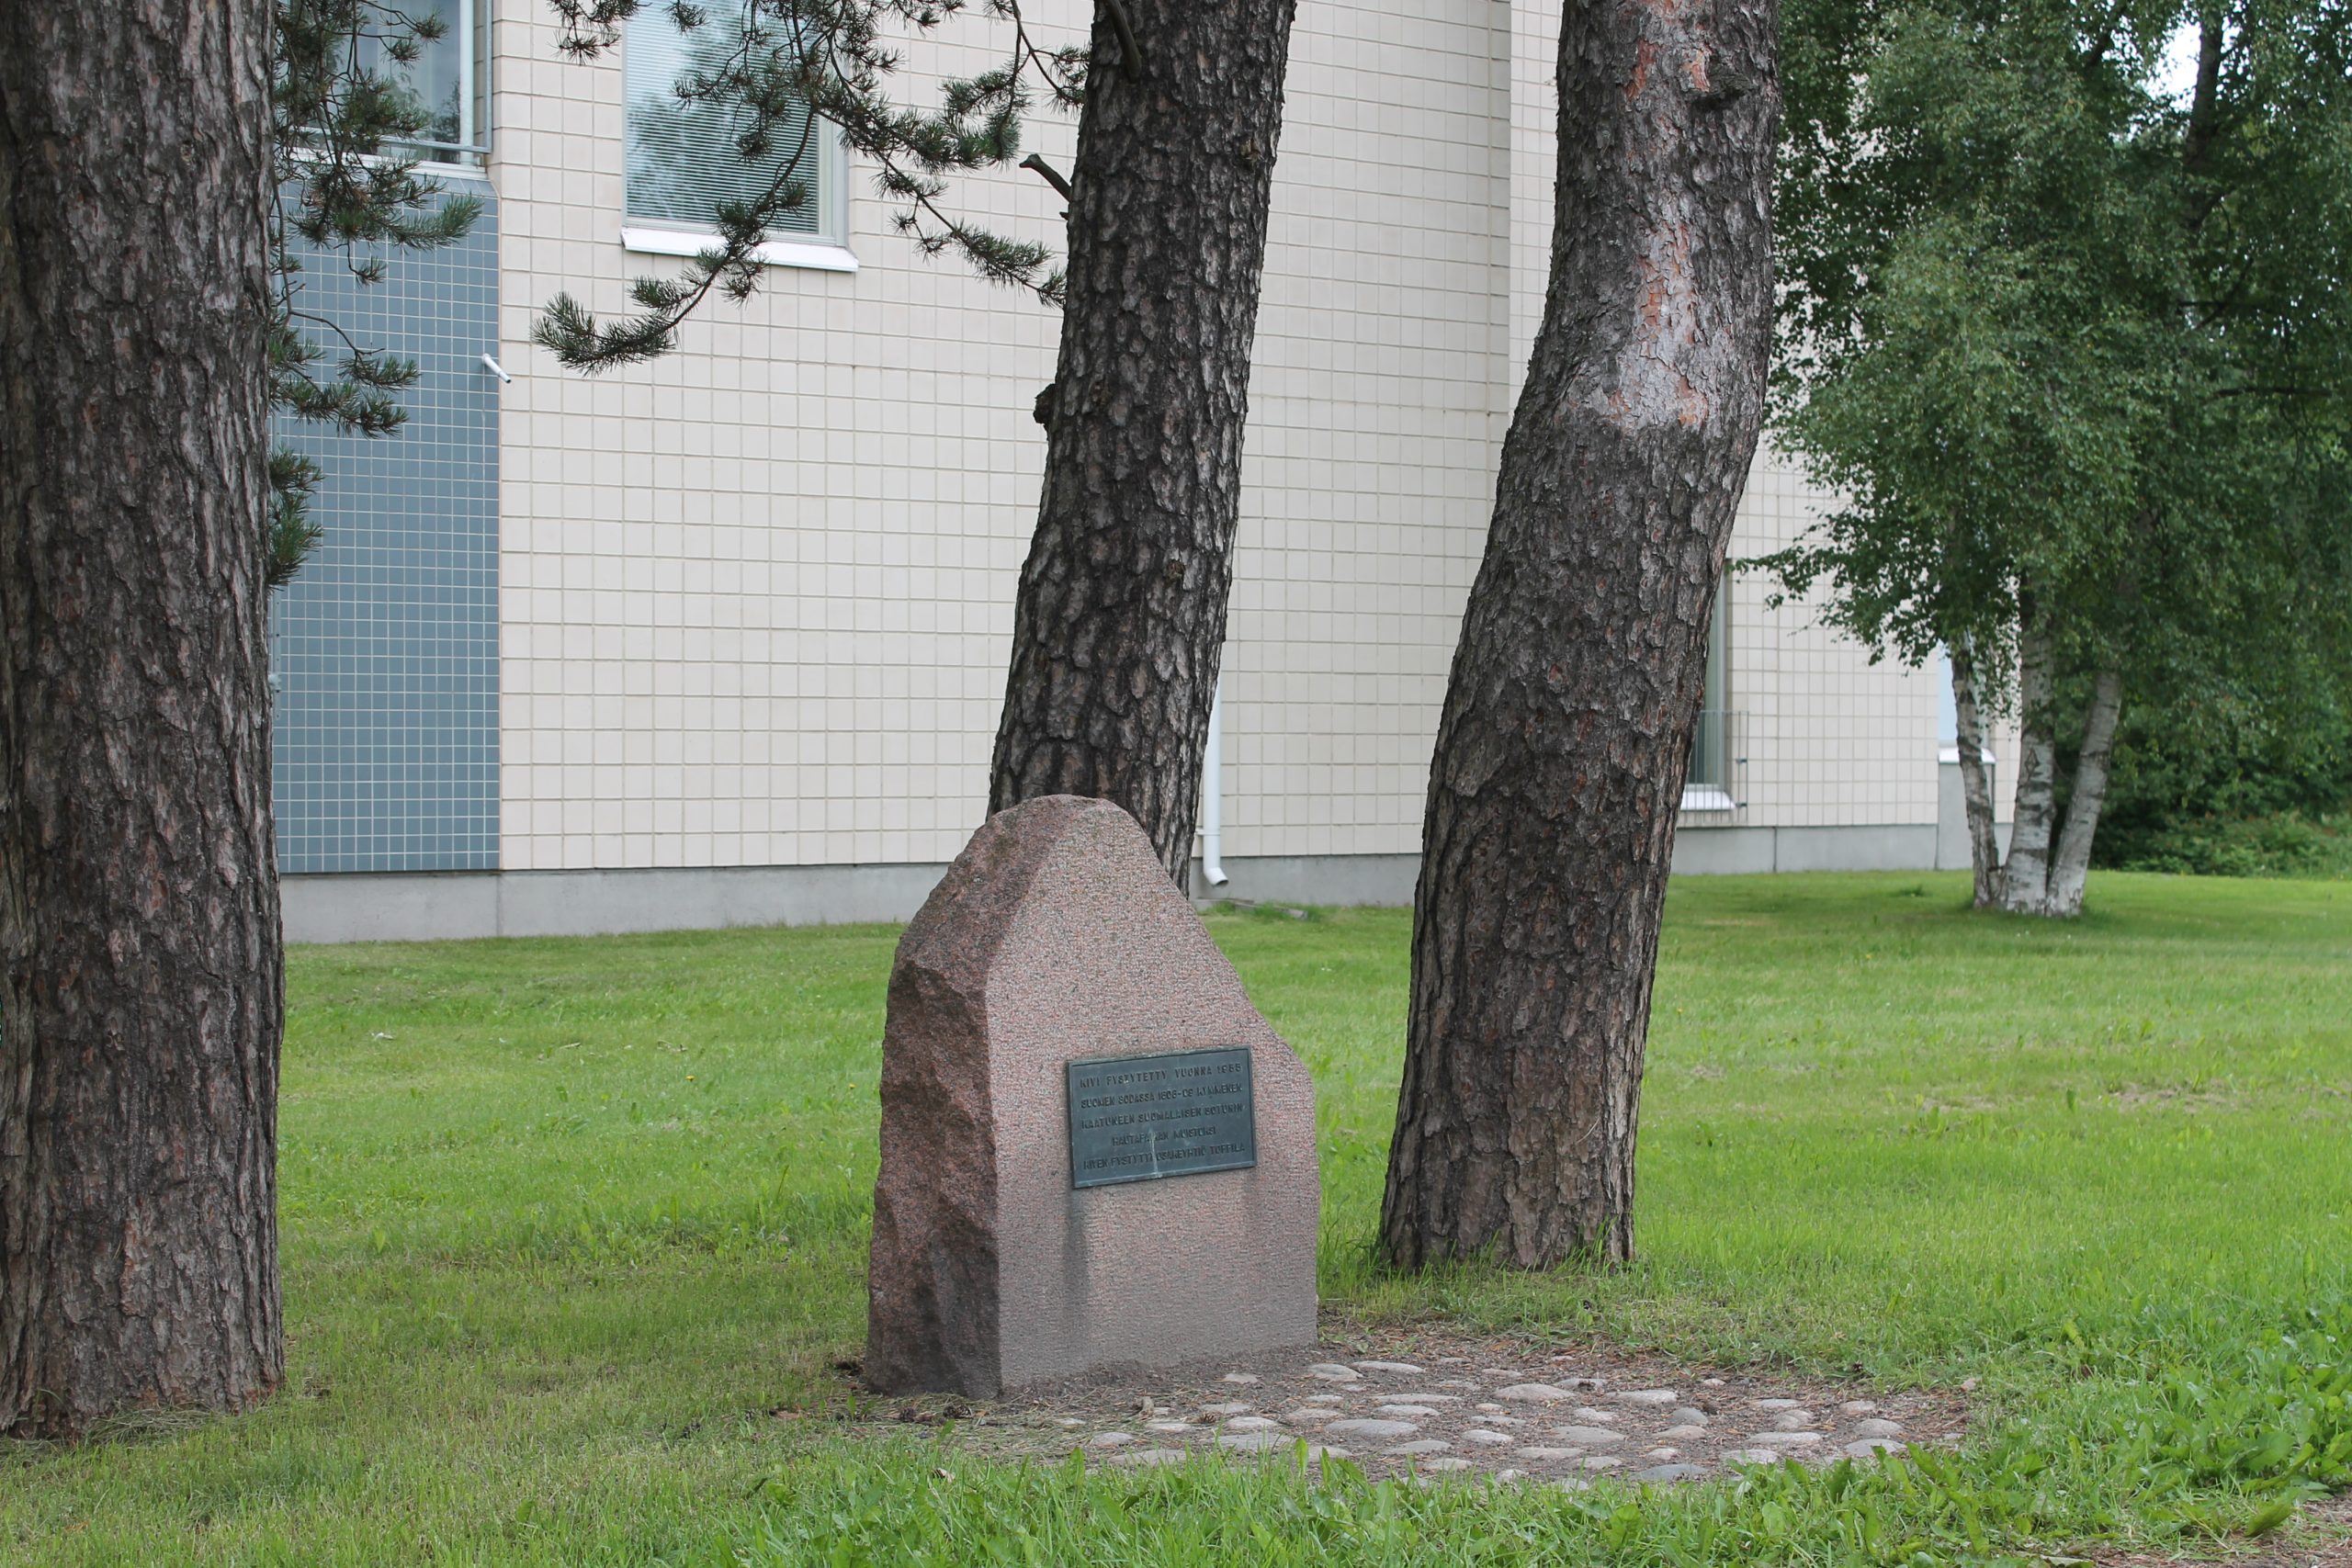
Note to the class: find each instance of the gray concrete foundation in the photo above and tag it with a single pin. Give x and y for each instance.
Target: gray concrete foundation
(440, 906)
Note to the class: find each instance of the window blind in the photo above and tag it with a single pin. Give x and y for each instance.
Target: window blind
(683, 159)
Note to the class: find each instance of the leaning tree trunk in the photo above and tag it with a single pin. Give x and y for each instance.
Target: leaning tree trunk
(2069, 868)
(1120, 620)
(139, 949)
(1975, 784)
(2034, 822)
(1566, 728)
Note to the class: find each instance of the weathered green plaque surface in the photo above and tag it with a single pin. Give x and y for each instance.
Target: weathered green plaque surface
(1140, 1118)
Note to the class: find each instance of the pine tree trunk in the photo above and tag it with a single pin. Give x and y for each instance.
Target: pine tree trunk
(1120, 620)
(2025, 885)
(1976, 785)
(1567, 729)
(2070, 868)
(139, 921)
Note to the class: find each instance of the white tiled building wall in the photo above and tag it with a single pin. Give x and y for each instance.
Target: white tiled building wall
(757, 596)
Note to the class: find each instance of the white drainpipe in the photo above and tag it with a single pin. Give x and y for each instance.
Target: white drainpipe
(1213, 792)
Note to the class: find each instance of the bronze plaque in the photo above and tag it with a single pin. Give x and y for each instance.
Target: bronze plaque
(1140, 1118)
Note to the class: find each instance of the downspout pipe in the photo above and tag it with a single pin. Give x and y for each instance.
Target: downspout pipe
(1213, 792)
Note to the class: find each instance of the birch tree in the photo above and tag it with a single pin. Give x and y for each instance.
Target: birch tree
(2073, 347)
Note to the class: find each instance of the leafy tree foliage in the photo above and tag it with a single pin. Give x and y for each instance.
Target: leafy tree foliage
(2075, 354)
(346, 124)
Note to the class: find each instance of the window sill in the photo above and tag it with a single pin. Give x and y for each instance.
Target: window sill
(816, 255)
(1706, 798)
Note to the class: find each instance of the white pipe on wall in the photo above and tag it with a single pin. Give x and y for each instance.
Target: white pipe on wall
(1213, 792)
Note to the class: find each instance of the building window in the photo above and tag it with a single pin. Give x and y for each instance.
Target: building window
(442, 75)
(1708, 785)
(684, 158)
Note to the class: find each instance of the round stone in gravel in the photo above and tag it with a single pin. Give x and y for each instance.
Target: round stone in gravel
(1403, 1368)
(1659, 1456)
(1589, 1437)
(1689, 1415)
(1443, 1463)
(1310, 1415)
(1782, 1439)
(1069, 1421)
(1683, 1434)
(1711, 1382)
(1369, 1429)
(1327, 1399)
(1170, 1428)
(1601, 1462)
(1455, 1382)
(1253, 1442)
(1871, 1448)
(1427, 1398)
(1418, 1446)
(1601, 1417)
(1490, 1407)
(1326, 1451)
(1858, 1407)
(1152, 1455)
(1877, 1427)
(1479, 1436)
(1110, 1439)
(1549, 1456)
(1670, 1473)
(1793, 1420)
(1253, 1424)
(1331, 1372)
(1658, 1396)
(1229, 1408)
(1533, 1393)
(1240, 1377)
(1409, 1412)
(1778, 1404)
(1755, 1456)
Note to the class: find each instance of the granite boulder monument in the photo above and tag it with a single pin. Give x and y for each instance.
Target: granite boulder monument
(1095, 1153)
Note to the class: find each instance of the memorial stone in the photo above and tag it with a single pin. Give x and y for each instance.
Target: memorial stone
(1095, 1153)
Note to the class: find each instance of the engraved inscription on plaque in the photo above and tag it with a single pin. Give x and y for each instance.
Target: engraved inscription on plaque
(1139, 1118)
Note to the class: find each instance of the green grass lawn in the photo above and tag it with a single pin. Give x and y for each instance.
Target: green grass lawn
(566, 1223)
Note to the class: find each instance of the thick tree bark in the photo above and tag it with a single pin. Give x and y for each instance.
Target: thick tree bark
(1975, 784)
(1120, 620)
(2033, 821)
(1567, 729)
(2070, 868)
(139, 921)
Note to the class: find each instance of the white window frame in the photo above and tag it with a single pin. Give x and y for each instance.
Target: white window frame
(825, 249)
(470, 154)
(1715, 795)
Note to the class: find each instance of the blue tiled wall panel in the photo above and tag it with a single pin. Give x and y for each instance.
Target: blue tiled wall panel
(386, 645)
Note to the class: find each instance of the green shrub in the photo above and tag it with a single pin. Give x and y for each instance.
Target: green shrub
(2285, 844)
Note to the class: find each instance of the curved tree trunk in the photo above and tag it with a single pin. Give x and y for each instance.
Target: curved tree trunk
(1567, 729)
(2069, 868)
(2025, 883)
(1120, 620)
(139, 923)
(1976, 785)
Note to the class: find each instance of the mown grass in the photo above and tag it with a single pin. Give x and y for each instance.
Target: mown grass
(567, 1223)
